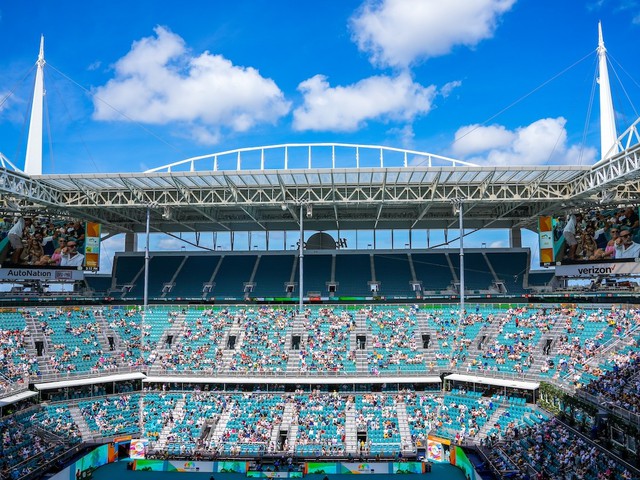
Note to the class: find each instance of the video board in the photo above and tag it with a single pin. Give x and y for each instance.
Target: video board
(591, 241)
(31, 245)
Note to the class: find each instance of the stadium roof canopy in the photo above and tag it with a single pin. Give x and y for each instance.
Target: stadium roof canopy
(347, 186)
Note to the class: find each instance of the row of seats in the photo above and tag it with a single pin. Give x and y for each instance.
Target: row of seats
(254, 340)
(229, 274)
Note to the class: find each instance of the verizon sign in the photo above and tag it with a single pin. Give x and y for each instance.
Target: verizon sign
(19, 274)
(595, 270)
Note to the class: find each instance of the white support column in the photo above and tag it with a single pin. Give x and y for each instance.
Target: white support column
(301, 254)
(608, 136)
(33, 158)
(146, 263)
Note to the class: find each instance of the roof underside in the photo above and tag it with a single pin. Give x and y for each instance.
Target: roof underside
(341, 198)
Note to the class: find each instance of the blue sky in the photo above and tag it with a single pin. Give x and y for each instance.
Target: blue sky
(135, 85)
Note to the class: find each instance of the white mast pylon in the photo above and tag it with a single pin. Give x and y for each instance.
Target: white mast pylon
(33, 160)
(608, 135)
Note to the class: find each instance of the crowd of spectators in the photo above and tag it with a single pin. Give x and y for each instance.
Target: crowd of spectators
(620, 386)
(321, 421)
(326, 346)
(602, 235)
(553, 451)
(43, 241)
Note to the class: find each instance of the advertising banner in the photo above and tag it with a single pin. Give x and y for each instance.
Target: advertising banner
(597, 269)
(408, 467)
(18, 274)
(189, 466)
(363, 467)
(149, 465)
(256, 474)
(463, 463)
(321, 468)
(438, 449)
(138, 448)
(83, 468)
(92, 246)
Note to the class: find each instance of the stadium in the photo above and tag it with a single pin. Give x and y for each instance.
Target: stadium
(302, 355)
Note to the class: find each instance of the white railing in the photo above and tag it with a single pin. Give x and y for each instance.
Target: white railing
(314, 155)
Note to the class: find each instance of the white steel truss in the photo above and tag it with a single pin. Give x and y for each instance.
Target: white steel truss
(412, 196)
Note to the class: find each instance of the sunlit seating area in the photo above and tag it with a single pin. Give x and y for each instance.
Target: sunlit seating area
(112, 415)
(326, 346)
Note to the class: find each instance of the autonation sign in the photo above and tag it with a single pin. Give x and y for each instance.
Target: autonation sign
(49, 275)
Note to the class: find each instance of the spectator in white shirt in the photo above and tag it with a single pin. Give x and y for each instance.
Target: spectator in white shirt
(70, 256)
(15, 238)
(625, 246)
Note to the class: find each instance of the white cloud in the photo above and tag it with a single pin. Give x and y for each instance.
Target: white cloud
(347, 108)
(475, 138)
(169, 243)
(159, 82)
(498, 244)
(446, 90)
(543, 142)
(399, 32)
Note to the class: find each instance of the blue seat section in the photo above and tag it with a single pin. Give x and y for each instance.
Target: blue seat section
(16, 364)
(514, 347)
(327, 346)
(395, 341)
(274, 271)
(234, 271)
(111, 416)
(74, 338)
(162, 268)
(544, 454)
(263, 346)
(584, 331)
(422, 415)
(317, 272)
(23, 448)
(477, 276)
(187, 425)
(126, 323)
(251, 421)
(321, 424)
(126, 267)
(376, 414)
(464, 413)
(510, 268)
(196, 271)
(353, 274)
(199, 347)
(100, 284)
(433, 270)
(157, 413)
(394, 274)
(540, 278)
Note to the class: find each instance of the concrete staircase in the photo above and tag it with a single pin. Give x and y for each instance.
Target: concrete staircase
(178, 413)
(85, 431)
(297, 329)
(351, 429)
(105, 332)
(221, 426)
(288, 424)
(491, 421)
(362, 364)
(162, 347)
(403, 427)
